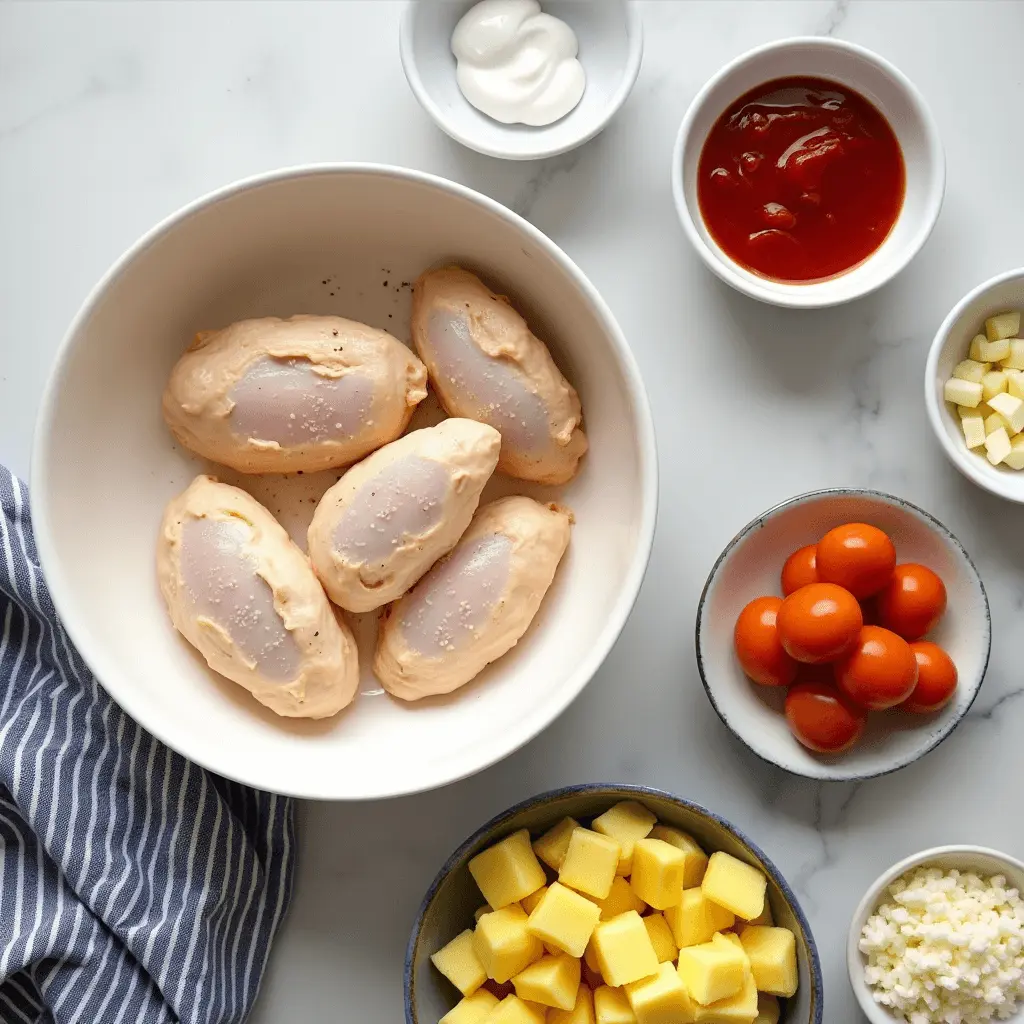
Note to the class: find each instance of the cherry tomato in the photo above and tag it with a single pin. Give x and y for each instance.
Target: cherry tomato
(757, 644)
(936, 679)
(819, 622)
(881, 670)
(799, 569)
(822, 718)
(858, 557)
(912, 601)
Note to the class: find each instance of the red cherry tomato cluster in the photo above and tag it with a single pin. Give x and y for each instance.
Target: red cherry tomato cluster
(847, 637)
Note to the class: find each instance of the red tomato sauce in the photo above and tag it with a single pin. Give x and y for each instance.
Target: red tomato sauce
(800, 179)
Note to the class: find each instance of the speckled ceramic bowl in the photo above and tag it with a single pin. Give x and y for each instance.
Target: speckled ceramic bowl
(448, 907)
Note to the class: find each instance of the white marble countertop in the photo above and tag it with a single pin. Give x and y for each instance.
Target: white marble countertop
(113, 115)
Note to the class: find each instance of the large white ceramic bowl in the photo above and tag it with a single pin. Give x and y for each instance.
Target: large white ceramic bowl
(950, 346)
(878, 81)
(344, 240)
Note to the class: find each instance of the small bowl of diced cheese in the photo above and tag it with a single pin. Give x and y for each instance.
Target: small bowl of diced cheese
(610, 903)
(940, 937)
(974, 385)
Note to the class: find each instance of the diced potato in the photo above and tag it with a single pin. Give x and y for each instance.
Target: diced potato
(963, 392)
(660, 934)
(993, 383)
(624, 950)
(551, 949)
(974, 434)
(590, 958)
(738, 1009)
(1015, 360)
(661, 998)
(765, 917)
(551, 981)
(975, 351)
(458, 962)
(972, 370)
(471, 1010)
(696, 858)
(529, 903)
(513, 1010)
(737, 886)
(767, 1009)
(994, 351)
(625, 822)
(507, 871)
(981, 409)
(1015, 382)
(1002, 325)
(997, 446)
(1012, 411)
(581, 1013)
(564, 919)
(551, 846)
(696, 919)
(993, 422)
(712, 971)
(620, 898)
(658, 870)
(612, 1007)
(504, 945)
(1015, 460)
(732, 937)
(590, 863)
(772, 955)
(480, 911)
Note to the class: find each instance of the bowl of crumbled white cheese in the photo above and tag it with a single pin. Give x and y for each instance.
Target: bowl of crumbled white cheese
(939, 939)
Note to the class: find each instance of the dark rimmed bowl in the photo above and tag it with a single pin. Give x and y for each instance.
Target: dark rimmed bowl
(750, 566)
(448, 907)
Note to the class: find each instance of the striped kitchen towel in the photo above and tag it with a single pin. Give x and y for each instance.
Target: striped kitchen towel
(134, 886)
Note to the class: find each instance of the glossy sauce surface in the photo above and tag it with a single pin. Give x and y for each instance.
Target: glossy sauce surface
(800, 179)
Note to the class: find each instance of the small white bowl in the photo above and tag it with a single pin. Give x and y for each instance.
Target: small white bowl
(611, 40)
(951, 343)
(751, 566)
(875, 79)
(978, 859)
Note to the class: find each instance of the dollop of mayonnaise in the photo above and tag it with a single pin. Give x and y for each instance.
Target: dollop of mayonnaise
(516, 64)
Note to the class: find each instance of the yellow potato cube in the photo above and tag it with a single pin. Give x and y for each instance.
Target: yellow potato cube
(660, 934)
(551, 981)
(480, 911)
(696, 858)
(551, 949)
(590, 863)
(661, 999)
(513, 1010)
(1015, 360)
(507, 871)
(772, 953)
(765, 917)
(551, 846)
(581, 1013)
(975, 348)
(529, 903)
(564, 919)
(658, 871)
(620, 898)
(612, 1007)
(590, 957)
(740, 1008)
(624, 949)
(972, 370)
(767, 1009)
(728, 937)
(458, 962)
(993, 383)
(471, 1010)
(626, 822)
(1002, 325)
(696, 919)
(712, 971)
(994, 351)
(737, 886)
(1015, 382)
(504, 945)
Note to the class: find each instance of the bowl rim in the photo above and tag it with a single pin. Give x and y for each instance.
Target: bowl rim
(802, 499)
(410, 65)
(615, 789)
(873, 894)
(42, 469)
(812, 295)
(967, 462)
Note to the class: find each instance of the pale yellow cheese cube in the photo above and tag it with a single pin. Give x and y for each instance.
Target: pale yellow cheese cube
(458, 962)
(620, 898)
(529, 903)
(551, 846)
(472, 1009)
(737, 886)
(994, 351)
(658, 870)
(767, 1009)
(974, 431)
(963, 392)
(624, 949)
(1015, 360)
(972, 370)
(696, 918)
(513, 1010)
(581, 1013)
(997, 446)
(1015, 383)
(660, 935)
(712, 971)
(1002, 325)
(612, 1007)
(504, 944)
(551, 981)
(993, 383)
(1015, 460)
(590, 863)
(1012, 411)
(626, 822)
(507, 871)
(740, 1008)
(564, 919)
(661, 998)
(696, 858)
(772, 955)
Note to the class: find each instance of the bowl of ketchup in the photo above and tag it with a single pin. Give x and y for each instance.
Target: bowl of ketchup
(808, 172)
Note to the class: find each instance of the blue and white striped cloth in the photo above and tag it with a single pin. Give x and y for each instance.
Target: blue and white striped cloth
(134, 886)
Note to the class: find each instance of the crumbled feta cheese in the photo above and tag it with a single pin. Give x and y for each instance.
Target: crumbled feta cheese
(947, 948)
